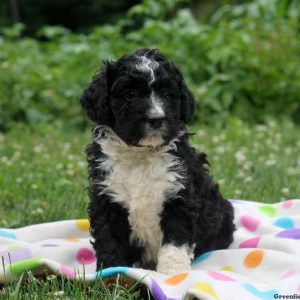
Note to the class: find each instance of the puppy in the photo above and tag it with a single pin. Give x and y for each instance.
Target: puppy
(152, 202)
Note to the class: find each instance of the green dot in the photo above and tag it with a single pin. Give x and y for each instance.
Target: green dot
(25, 265)
(14, 247)
(268, 210)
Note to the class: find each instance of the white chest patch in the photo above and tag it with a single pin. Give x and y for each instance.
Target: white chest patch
(140, 179)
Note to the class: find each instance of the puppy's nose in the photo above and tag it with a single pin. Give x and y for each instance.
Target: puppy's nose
(155, 121)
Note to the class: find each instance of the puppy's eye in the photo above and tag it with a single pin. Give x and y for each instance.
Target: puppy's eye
(129, 94)
(166, 95)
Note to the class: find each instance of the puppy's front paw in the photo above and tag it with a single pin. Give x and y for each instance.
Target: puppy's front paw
(173, 260)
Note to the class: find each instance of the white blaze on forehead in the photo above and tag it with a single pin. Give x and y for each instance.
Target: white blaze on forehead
(156, 110)
(147, 65)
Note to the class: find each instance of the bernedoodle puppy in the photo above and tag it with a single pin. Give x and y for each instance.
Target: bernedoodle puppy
(152, 202)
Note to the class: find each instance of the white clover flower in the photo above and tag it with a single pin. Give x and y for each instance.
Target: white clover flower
(241, 174)
(215, 139)
(67, 146)
(58, 293)
(271, 156)
(81, 163)
(240, 156)
(261, 128)
(291, 171)
(285, 190)
(9, 163)
(247, 166)
(271, 162)
(248, 179)
(272, 124)
(38, 149)
(37, 211)
(59, 166)
(17, 154)
(70, 172)
(238, 192)
(221, 181)
(51, 277)
(220, 149)
(201, 132)
(288, 150)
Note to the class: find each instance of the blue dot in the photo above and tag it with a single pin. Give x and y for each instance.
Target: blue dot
(285, 222)
(110, 272)
(8, 235)
(202, 257)
(267, 295)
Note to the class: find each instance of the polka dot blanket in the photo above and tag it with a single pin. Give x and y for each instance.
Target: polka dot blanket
(262, 263)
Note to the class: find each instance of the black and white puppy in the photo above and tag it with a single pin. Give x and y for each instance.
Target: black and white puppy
(152, 202)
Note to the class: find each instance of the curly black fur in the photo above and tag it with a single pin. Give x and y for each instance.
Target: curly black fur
(143, 97)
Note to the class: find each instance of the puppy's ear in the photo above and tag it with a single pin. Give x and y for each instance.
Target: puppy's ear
(187, 106)
(95, 98)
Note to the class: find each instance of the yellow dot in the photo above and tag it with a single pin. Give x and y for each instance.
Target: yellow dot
(206, 288)
(254, 259)
(227, 268)
(83, 224)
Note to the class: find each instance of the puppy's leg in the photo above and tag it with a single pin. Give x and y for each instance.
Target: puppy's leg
(178, 238)
(110, 230)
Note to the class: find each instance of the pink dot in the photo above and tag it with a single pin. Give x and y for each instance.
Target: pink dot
(249, 222)
(85, 256)
(288, 274)
(68, 272)
(219, 276)
(251, 243)
(287, 204)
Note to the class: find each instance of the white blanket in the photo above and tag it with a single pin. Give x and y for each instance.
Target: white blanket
(262, 263)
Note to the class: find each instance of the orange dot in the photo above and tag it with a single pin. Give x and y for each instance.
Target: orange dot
(176, 279)
(83, 224)
(73, 240)
(254, 259)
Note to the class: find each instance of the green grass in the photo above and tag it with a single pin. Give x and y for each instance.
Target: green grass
(43, 178)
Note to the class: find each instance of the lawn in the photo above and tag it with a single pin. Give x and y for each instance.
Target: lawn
(43, 178)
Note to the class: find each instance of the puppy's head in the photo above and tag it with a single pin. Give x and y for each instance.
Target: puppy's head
(142, 97)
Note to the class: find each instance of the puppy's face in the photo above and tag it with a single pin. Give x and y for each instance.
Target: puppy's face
(142, 97)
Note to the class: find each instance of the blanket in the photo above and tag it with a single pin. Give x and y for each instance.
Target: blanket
(263, 262)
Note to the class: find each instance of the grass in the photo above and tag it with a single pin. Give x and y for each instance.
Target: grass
(43, 178)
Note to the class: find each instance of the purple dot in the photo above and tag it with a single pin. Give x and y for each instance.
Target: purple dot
(235, 201)
(14, 255)
(289, 234)
(158, 293)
